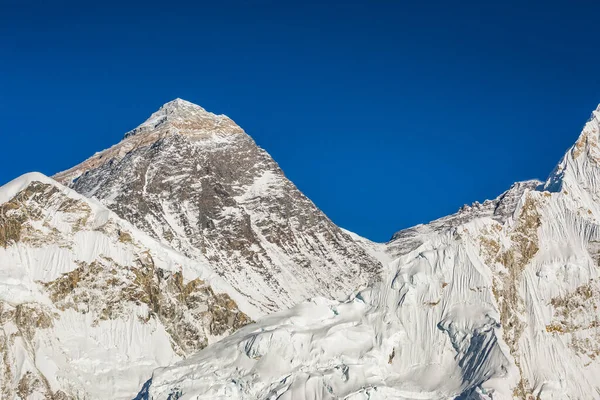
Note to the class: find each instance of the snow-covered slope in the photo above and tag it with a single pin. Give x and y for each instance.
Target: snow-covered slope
(89, 305)
(196, 181)
(499, 301)
(499, 209)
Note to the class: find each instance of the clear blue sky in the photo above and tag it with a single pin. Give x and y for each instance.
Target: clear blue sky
(385, 113)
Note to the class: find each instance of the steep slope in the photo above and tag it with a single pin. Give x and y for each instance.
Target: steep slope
(499, 209)
(195, 180)
(496, 302)
(89, 305)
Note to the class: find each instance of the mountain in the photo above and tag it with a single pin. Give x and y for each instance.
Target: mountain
(205, 234)
(89, 305)
(498, 301)
(197, 182)
(139, 273)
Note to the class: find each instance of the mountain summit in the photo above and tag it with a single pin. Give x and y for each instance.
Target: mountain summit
(181, 116)
(177, 117)
(197, 181)
(579, 170)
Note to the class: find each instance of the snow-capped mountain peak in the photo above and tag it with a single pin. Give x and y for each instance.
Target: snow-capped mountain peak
(197, 181)
(175, 109)
(578, 172)
(181, 116)
(177, 117)
(180, 104)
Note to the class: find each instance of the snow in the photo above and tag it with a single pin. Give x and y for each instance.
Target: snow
(498, 301)
(77, 353)
(199, 183)
(436, 326)
(331, 349)
(10, 189)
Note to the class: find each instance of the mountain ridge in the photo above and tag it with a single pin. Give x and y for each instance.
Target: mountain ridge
(198, 182)
(167, 245)
(88, 304)
(499, 298)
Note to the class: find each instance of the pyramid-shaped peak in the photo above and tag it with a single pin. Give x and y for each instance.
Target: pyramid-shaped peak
(180, 105)
(182, 115)
(579, 169)
(596, 114)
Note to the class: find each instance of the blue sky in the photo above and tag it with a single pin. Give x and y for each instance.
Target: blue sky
(385, 113)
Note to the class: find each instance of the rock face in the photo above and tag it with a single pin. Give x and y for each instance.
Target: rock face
(89, 305)
(499, 301)
(196, 181)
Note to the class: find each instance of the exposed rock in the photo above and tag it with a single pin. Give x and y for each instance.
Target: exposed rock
(195, 180)
(70, 268)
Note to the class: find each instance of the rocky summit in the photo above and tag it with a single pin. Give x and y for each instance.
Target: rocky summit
(181, 263)
(197, 182)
